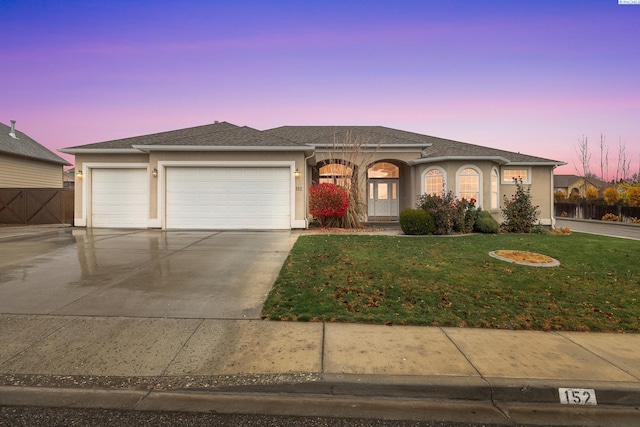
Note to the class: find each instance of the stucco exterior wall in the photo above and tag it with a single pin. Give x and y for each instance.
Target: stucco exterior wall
(541, 189)
(18, 172)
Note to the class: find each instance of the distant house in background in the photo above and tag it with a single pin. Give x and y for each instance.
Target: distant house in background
(32, 189)
(69, 178)
(574, 185)
(24, 163)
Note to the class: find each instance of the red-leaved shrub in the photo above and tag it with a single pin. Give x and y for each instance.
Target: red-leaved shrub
(327, 201)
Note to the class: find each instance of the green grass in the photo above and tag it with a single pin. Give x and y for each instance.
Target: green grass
(452, 281)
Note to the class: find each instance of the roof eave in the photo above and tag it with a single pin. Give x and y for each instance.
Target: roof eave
(416, 146)
(498, 159)
(543, 163)
(61, 162)
(99, 150)
(148, 148)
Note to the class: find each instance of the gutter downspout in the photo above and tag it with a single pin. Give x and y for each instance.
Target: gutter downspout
(553, 202)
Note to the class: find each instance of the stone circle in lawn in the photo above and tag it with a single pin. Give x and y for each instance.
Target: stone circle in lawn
(525, 258)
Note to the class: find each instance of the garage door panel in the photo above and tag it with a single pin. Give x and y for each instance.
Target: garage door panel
(119, 198)
(228, 198)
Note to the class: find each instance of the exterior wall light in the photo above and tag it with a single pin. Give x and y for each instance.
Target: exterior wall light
(297, 173)
(79, 174)
(154, 172)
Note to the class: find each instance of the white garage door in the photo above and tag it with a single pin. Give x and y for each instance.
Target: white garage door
(228, 198)
(119, 198)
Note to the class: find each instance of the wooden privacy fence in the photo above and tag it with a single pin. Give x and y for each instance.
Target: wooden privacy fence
(586, 211)
(30, 206)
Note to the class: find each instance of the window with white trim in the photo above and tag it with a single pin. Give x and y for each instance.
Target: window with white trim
(510, 174)
(469, 184)
(434, 182)
(495, 195)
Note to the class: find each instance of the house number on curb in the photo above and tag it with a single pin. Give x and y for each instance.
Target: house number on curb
(577, 396)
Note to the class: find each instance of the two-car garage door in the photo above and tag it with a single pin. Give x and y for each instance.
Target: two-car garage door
(228, 198)
(194, 197)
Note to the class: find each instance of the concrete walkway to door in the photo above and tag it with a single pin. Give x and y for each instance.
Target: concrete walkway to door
(139, 273)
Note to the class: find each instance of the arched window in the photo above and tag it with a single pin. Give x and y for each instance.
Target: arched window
(336, 173)
(495, 193)
(434, 181)
(383, 170)
(469, 184)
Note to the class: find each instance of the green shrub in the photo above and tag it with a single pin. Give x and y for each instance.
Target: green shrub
(449, 214)
(416, 221)
(485, 223)
(519, 213)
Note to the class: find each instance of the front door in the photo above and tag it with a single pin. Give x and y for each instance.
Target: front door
(383, 198)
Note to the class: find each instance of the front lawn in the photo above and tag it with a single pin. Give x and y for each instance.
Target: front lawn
(452, 281)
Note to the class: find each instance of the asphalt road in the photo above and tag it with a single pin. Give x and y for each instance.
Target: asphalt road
(58, 417)
(628, 231)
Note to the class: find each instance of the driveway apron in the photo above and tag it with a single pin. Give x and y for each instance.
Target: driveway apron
(143, 273)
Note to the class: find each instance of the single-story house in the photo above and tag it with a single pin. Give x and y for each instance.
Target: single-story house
(574, 185)
(223, 176)
(24, 163)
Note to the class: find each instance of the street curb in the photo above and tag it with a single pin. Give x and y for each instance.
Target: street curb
(301, 401)
(472, 389)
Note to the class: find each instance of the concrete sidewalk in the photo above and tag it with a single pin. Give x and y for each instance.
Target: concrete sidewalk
(253, 365)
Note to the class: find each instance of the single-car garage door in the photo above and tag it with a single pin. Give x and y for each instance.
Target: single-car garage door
(119, 198)
(228, 198)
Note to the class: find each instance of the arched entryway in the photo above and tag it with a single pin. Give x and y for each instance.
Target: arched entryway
(383, 183)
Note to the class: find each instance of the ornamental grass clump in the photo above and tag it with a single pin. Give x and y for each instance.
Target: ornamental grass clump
(327, 202)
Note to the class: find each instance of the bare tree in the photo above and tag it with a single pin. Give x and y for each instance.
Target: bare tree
(354, 153)
(624, 162)
(604, 159)
(584, 157)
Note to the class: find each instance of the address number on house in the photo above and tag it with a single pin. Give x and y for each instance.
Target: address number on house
(577, 396)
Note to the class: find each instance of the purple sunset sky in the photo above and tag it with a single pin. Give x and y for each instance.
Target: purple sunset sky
(533, 76)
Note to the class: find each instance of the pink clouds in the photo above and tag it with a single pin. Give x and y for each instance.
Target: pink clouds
(530, 76)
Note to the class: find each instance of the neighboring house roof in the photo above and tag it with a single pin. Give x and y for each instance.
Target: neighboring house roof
(434, 148)
(566, 181)
(219, 135)
(22, 145)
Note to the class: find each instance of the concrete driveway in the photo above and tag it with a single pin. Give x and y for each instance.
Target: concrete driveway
(145, 273)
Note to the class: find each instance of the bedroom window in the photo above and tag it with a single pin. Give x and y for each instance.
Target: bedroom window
(508, 175)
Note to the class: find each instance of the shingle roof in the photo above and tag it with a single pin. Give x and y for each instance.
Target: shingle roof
(24, 146)
(219, 134)
(562, 181)
(223, 134)
(379, 135)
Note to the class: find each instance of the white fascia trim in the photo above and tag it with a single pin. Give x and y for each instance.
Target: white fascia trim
(497, 159)
(416, 146)
(163, 165)
(149, 148)
(536, 164)
(99, 150)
